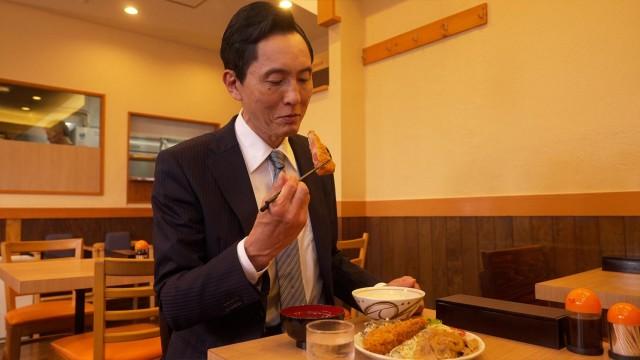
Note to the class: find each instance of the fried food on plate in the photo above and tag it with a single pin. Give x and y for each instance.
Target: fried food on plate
(386, 337)
(320, 154)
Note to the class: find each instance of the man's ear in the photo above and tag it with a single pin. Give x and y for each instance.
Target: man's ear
(232, 84)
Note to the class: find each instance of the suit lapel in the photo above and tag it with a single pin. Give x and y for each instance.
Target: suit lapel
(228, 168)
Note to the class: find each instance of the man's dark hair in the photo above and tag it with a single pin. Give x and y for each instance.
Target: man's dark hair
(250, 25)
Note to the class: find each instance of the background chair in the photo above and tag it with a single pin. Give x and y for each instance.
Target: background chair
(58, 254)
(511, 274)
(55, 316)
(99, 249)
(360, 245)
(135, 341)
(120, 240)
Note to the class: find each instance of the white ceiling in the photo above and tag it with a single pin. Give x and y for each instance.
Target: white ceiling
(193, 22)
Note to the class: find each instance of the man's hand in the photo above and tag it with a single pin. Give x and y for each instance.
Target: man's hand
(276, 228)
(410, 282)
(405, 281)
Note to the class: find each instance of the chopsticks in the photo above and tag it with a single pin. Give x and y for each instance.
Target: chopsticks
(273, 197)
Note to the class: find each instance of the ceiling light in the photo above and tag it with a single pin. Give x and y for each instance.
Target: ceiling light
(131, 10)
(25, 108)
(285, 4)
(4, 89)
(36, 98)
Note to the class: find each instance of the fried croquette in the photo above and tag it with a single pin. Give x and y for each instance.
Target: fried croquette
(383, 339)
(320, 154)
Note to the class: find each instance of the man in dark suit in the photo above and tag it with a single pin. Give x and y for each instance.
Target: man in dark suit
(224, 269)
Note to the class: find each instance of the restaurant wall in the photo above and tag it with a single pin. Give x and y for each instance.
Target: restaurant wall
(544, 99)
(136, 73)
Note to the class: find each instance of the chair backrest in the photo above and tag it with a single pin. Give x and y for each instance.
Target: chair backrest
(511, 274)
(98, 249)
(10, 248)
(57, 254)
(109, 267)
(117, 241)
(360, 244)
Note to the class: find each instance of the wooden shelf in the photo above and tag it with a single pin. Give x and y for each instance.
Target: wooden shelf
(437, 30)
(143, 157)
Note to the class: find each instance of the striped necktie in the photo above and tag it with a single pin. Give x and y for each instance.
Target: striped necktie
(288, 261)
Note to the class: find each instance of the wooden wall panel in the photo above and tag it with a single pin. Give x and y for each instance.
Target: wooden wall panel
(632, 236)
(486, 233)
(454, 246)
(91, 230)
(522, 234)
(425, 255)
(439, 257)
(612, 235)
(470, 259)
(444, 253)
(564, 246)
(504, 232)
(139, 191)
(542, 233)
(50, 168)
(587, 242)
(2, 227)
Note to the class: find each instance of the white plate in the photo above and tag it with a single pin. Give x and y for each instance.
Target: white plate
(357, 340)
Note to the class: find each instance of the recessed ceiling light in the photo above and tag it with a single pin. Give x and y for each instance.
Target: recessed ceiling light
(25, 108)
(131, 10)
(285, 4)
(4, 89)
(36, 98)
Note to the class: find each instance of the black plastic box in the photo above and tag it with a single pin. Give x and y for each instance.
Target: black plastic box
(533, 324)
(620, 264)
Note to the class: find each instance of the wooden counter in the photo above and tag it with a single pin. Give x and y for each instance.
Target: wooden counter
(611, 287)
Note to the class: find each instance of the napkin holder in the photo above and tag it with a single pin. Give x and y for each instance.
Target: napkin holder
(621, 264)
(533, 324)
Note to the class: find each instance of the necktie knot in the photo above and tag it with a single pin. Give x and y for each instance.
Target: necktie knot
(277, 158)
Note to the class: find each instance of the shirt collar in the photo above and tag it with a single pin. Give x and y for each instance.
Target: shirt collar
(254, 150)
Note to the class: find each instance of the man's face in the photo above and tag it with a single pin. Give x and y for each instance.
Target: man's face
(277, 88)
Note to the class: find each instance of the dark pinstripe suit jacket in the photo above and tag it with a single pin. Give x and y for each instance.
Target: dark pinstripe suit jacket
(203, 204)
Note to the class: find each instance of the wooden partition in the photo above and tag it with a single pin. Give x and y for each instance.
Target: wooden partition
(89, 223)
(443, 253)
(29, 167)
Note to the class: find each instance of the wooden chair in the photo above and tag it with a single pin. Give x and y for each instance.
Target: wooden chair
(139, 340)
(511, 274)
(361, 245)
(53, 316)
(98, 249)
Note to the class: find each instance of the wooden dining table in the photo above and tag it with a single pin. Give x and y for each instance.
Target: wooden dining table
(281, 347)
(610, 286)
(59, 275)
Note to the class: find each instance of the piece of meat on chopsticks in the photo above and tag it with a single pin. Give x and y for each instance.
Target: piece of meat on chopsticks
(320, 154)
(384, 338)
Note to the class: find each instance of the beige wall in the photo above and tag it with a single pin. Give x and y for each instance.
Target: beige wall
(135, 72)
(544, 99)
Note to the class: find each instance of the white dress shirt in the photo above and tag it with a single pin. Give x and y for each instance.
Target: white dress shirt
(255, 153)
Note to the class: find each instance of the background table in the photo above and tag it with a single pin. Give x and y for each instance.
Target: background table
(281, 347)
(33, 277)
(611, 287)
